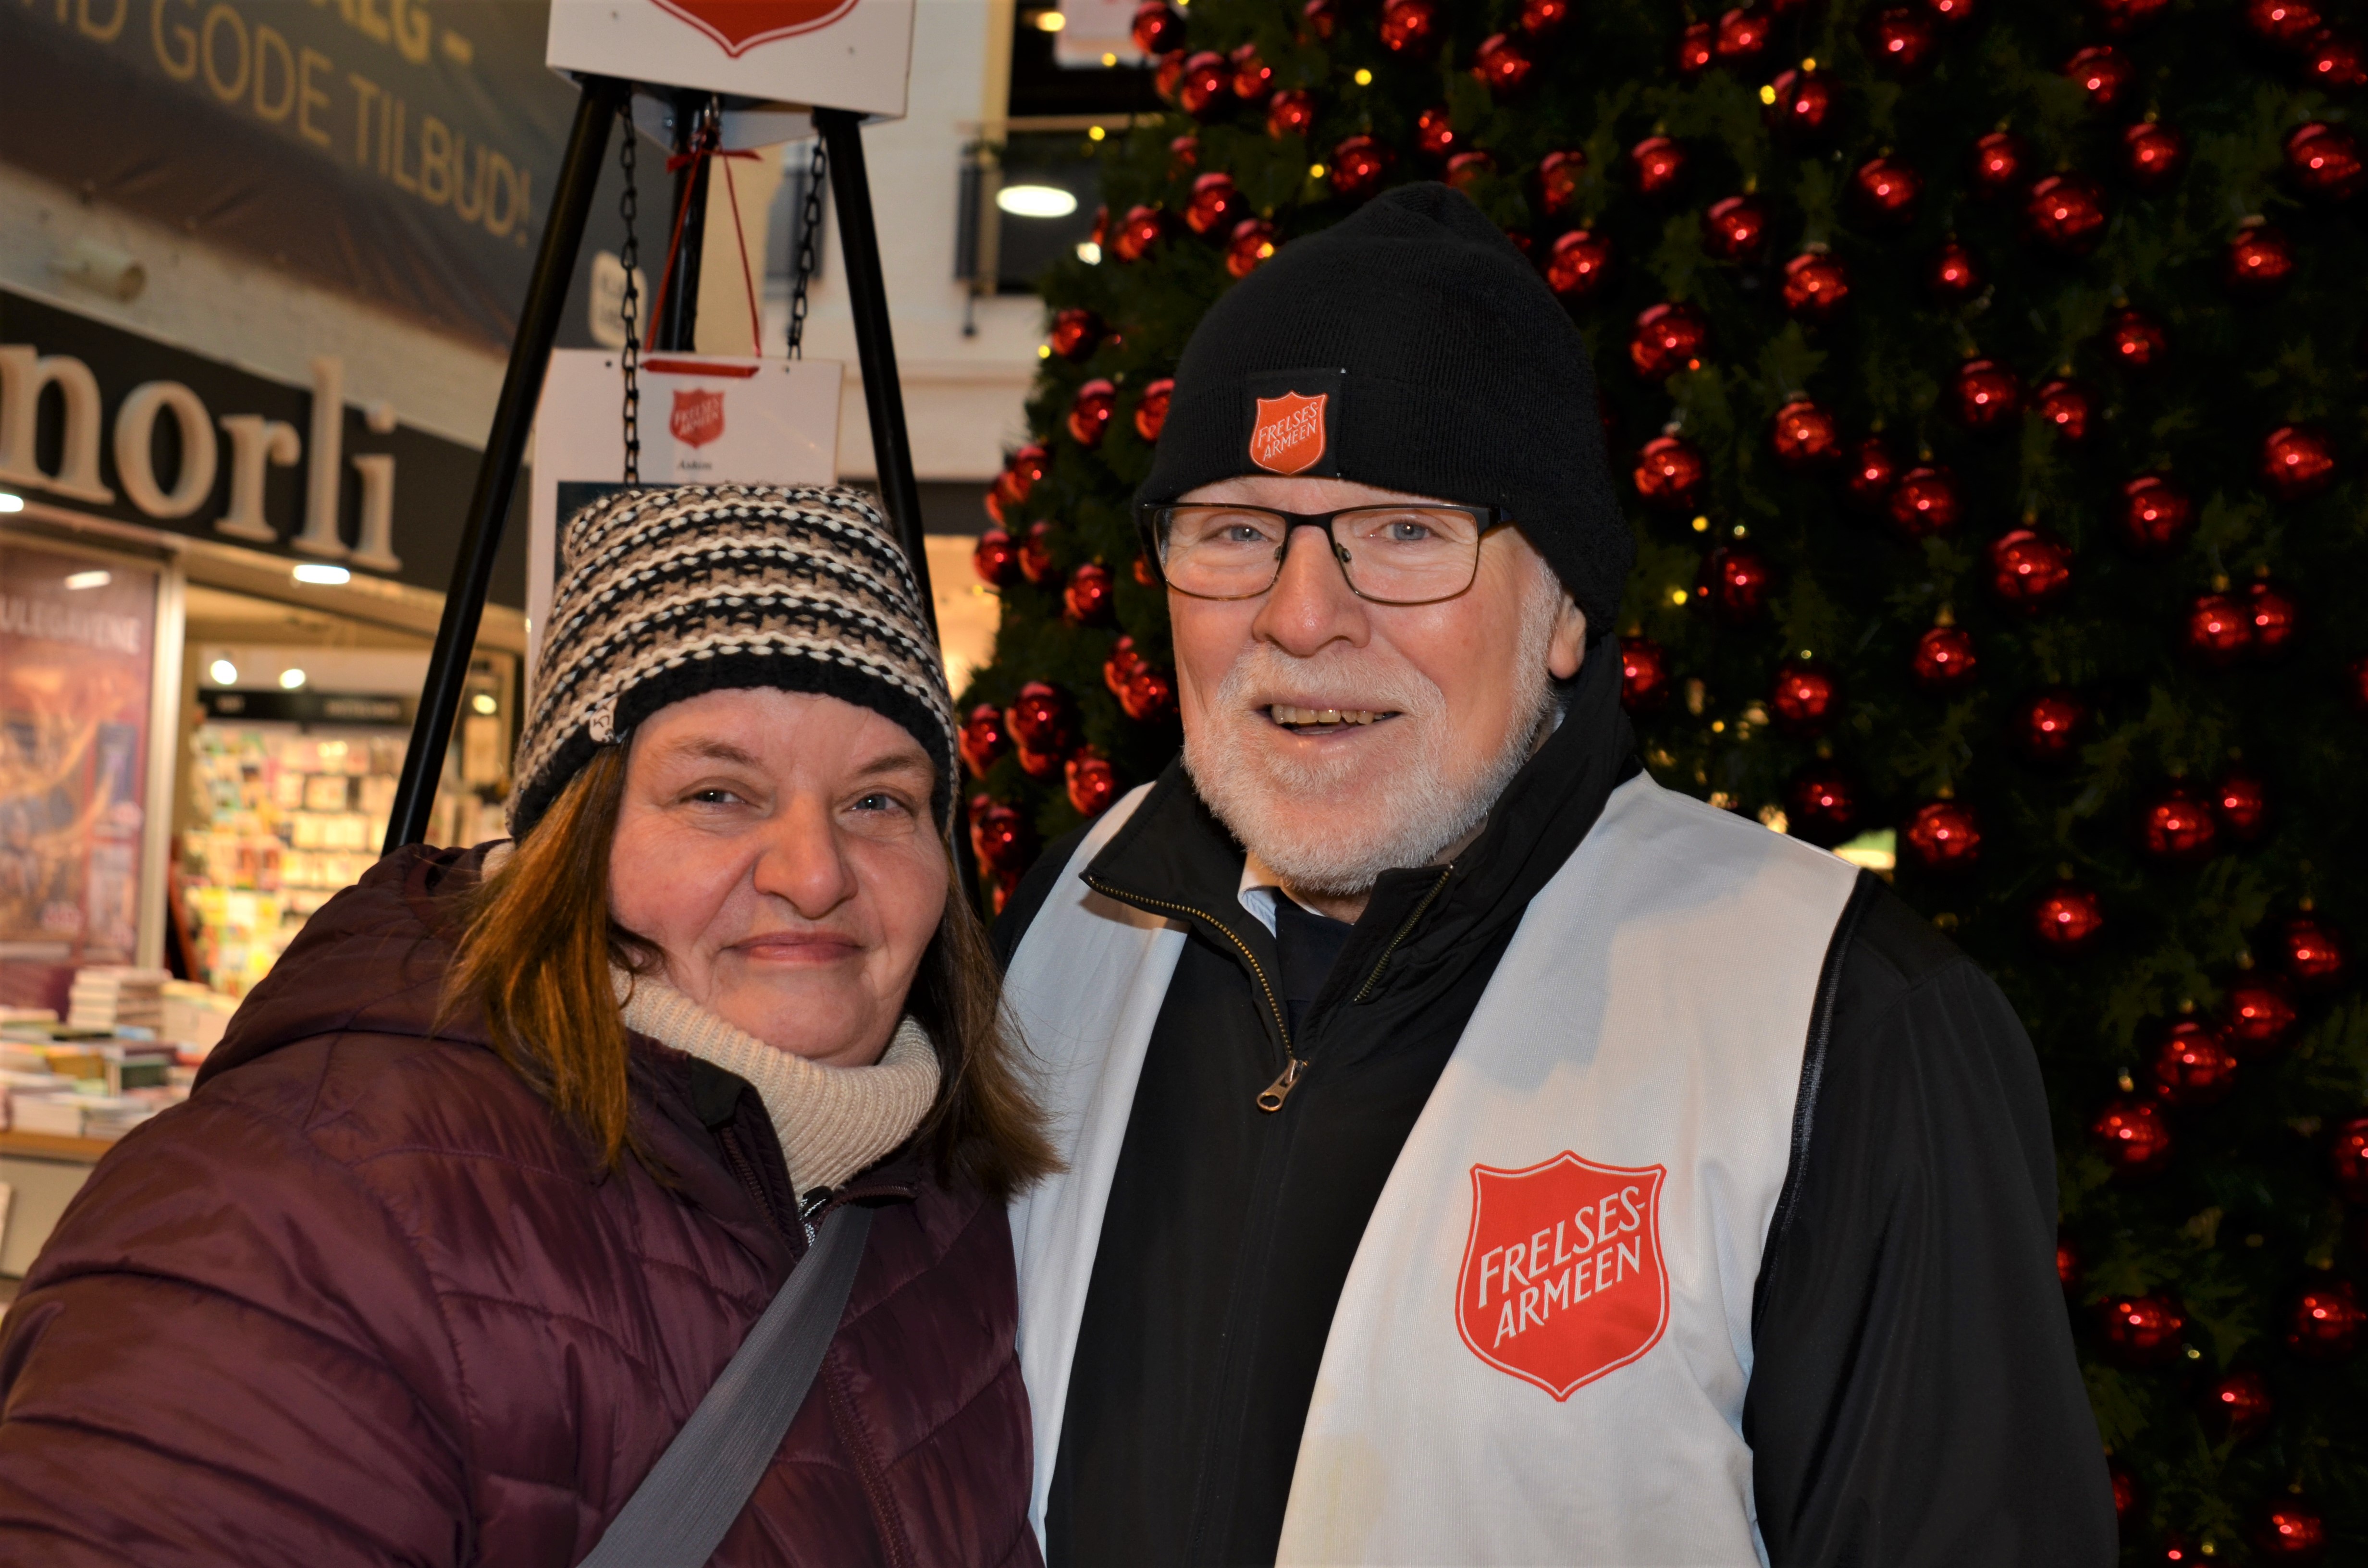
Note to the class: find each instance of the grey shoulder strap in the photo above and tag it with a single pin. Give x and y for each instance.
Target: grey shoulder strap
(680, 1512)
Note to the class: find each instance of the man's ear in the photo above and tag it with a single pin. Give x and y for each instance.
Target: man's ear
(1568, 644)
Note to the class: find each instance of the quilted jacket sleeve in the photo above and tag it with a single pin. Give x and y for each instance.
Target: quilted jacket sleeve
(228, 1353)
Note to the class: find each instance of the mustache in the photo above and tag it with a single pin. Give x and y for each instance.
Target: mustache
(1264, 675)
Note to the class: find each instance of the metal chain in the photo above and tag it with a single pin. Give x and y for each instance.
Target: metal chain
(809, 221)
(629, 209)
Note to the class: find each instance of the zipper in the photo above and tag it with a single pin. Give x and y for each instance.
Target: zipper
(737, 1158)
(1404, 931)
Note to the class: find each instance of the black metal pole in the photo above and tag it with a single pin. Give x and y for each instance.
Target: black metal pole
(497, 470)
(677, 331)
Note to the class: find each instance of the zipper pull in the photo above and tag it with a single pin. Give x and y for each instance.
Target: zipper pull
(1271, 1098)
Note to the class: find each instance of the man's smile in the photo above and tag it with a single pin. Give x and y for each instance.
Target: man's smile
(1325, 720)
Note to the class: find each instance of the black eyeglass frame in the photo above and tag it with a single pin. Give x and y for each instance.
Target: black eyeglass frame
(1147, 522)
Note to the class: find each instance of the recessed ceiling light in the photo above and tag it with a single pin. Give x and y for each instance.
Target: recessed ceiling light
(1036, 201)
(326, 576)
(483, 702)
(11, 503)
(93, 579)
(224, 673)
(292, 679)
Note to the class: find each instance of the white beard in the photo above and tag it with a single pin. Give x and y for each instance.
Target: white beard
(1413, 813)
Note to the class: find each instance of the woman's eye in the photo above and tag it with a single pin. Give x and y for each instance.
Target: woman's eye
(713, 797)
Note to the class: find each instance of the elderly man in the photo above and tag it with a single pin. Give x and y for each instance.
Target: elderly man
(1476, 1153)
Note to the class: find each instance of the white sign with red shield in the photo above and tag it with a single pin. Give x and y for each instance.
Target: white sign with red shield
(850, 54)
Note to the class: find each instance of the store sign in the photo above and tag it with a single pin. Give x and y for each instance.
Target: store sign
(852, 54)
(112, 424)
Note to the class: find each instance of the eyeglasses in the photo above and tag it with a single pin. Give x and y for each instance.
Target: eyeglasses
(1402, 554)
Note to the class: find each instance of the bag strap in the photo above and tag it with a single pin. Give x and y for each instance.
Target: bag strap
(682, 1509)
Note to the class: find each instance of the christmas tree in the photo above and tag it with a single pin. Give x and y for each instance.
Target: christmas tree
(1988, 387)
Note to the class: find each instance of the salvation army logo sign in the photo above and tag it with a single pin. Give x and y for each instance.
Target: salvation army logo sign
(697, 417)
(1563, 1281)
(741, 25)
(1289, 435)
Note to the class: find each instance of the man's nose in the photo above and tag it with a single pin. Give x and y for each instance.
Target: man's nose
(802, 860)
(1311, 603)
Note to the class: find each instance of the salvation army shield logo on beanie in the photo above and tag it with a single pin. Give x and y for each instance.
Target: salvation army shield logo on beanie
(1413, 348)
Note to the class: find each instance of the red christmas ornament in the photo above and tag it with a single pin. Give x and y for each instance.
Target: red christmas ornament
(2177, 826)
(2290, 1532)
(1289, 113)
(2134, 1136)
(1956, 13)
(2256, 1016)
(1215, 204)
(1039, 717)
(1076, 334)
(1998, 163)
(1143, 572)
(2326, 162)
(1737, 581)
(2142, 1331)
(2125, 1493)
(996, 559)
(1359, 163)
(1559, 173)
(1900, 40)
(1743, 35)
(2156, 514)
(1944, 659)
(2137, 341)
(1093, 782)
(1143, 228)
(1158, 27)
(1805, 436)
(1887, 190)
(1323, 19)
(2029, 569)
(1151, 411)
(2239, 1404)
(1644, 674)
(2313, 953)
(1466, 169)
(1205, 86)
(1036, 554)
(1253, 77)
(1821, 805)
(1735, 229)
(2259, 260)
(1090, 596)
(2066, 405)
(2067, 917)
(1578, 264)
(2067, 213)
(2285, 24)
(1670, 474)
(2298, 462)
(2104, 72)
(1089, 415)
(2217, 630)
(2068, 1264)
(1021, 473)
(2153, 154)
(1434, 132)
(1150, 695)
(2276, 620)
(1925, 501)
(1409, 26)
(1169, 76)
(1183, 154)
(2191, 1067)
(1954, 277)
(2349, 1160)
(1669, 337)
(2047, 725)
(2334, 63)
(984, 740)
(1988, 394)
(1542, 18)
(1803, 696)
(2124, 18)
(2241, 799)
(1815, 284)
(2327, 1322)
(1252, 242)
(1501, 65)
(999, 836)
(1803, 101)
(1120, 667)
(1697, 48)
(1659, 165)
(1942, 835)
(1871, 475)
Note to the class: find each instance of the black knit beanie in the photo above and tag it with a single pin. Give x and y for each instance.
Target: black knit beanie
(1411, 348)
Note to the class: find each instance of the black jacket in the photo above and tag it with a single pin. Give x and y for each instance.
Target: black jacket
(1914, 1398)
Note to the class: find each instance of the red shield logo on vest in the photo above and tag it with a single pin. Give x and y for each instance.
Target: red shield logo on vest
(1562, 1279)
(1289, 435)
(697, 417)
(741, 25)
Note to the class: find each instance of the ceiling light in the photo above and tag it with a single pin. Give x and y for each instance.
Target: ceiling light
(11, 503)
(290, 680)
(1051, 21)
(1036, 201)
(483, 702)
(223, 672)
(93, 579)
(325, 576)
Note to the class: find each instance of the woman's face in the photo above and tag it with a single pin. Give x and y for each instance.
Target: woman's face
(777, 850)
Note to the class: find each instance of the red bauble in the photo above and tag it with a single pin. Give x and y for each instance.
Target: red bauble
(1803, 101)
(2137, 341)
(1670, 474)
(1434, 132)
(1158, 27)
(2312, 953)
(2066, 212)
(1998, 163)
(1143, 228)
(2259, 260)
(2067, 1263)
(2177, 826)
(1089, 415)
(1090, 596)
(1076, 334)
(2132, 1135)
(1170, 74)
(2156, 514)
(1540, 18)
(1359, 164)
(1559, 173)
(1805, 436)
(1669, 337)
(1093, 782)
(2191, 1067)
(1036, 554)
(1466, 170)
(1151, 413)
(1206, 86)
(1735, 229)
(1901, 40)
(1215, 205)
(2256, 1016)
(996, 559)
(1409, 26)
(1956, 13)
(2239, 1405)
(1815, 284)
(1323, 19)
(2047, 725)
(1183, 154)
(2217, 630)
(1736, 582)
(2298, 462)
(1039, 717)
(1873, 472)
(1021, 473)
(1743, 35)
(2241, 799)
(1942, 835)
(2153, 154)
(1944, 659)
(1289, 113)
(2067, 917)
(1252, 242)
(1803, 696)
(2104, 72)
(1579, 263)
(2125, 1493)
(1821, 805)
(1644, 674)
(999, 836)
(2327, 1322)
(2142, 1331)
(1150, 695)
(2348, 1159)
(983, 739)
(2290, 1532)
(2326, 162)
(1120, 667)
(1253, 77)
(2276, 620)
(1954, 277)
(2124, 18)
(1925, 501)
(1887, 190)
(2029, 569)
(2069, 406)
(1986, 394)
(2335, 64)
(1659, 166)
(1697, 48)
(1502, 65)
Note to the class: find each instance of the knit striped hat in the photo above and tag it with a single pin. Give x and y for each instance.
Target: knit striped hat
(666, 592)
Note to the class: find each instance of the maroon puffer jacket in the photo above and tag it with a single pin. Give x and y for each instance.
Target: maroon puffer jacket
(363, 1300)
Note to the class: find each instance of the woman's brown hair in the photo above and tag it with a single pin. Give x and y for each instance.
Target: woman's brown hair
(537, 953)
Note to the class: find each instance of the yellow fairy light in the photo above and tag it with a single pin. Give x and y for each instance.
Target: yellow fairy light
(1767, 95)
(1314, 171)
(1096, 133)
(1110, 59)
(1677, 596)
(1043, 351)
(1702, 525)
(1364, 77)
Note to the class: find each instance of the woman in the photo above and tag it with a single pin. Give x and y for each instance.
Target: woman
(496, 1170)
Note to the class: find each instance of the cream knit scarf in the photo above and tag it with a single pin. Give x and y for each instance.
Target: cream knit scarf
(832, 1122)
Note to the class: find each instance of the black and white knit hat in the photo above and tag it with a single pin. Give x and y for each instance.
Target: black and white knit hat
(668, 593)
